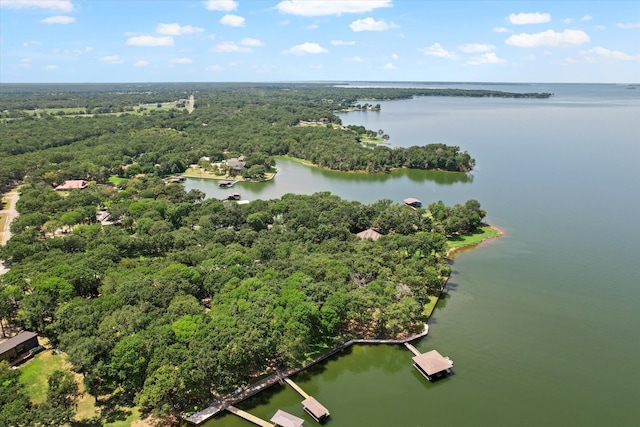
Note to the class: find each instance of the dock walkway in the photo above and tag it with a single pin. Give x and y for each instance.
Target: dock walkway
(412, 348)
(296, 388)
(247, 416)
(223, 402)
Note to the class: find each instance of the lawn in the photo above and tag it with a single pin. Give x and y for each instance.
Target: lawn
(115, 179)
(111, 411)
(470, 240)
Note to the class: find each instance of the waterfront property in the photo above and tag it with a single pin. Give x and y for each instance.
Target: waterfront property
(20, 347)
(414, 203)
(433, 365)
(285, 419)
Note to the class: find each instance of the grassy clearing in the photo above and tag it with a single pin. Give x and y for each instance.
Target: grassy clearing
(115, 179)
(199, 173)
(111, 411)
(430, 306)
(470, 240)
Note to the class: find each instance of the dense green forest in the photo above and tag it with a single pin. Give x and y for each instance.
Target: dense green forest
(182, 297)
(174, 298)
(228, 120)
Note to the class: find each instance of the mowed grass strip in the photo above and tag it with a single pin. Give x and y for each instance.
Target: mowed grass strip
(485, 232)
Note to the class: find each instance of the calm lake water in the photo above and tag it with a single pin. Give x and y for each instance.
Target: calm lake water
(542, 324)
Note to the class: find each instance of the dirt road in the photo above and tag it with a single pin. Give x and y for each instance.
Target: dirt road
(9, 212)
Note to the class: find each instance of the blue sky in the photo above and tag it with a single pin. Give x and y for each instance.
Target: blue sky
(309, 40)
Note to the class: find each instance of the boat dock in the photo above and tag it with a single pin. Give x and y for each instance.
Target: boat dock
(247, 416)
(310, 404)
(296, 388)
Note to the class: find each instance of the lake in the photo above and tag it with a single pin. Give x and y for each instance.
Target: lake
(542, 324)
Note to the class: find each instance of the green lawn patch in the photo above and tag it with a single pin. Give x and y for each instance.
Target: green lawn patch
(110, 411)
(469, 240)
(115, 179)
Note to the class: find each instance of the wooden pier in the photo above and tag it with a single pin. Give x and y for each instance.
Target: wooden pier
(296, 388)
(412, 348)
(247, 416)
(223, 402)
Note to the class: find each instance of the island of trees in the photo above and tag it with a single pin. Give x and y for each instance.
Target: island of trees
(171, 298)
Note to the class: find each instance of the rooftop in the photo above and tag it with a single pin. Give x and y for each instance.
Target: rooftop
(369, 233)
(22, 337)
(285, 419)
(314, 408)
(433, 362)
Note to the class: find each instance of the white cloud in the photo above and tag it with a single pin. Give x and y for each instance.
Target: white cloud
(60, 19)
(229, 47)
(605, 53)
(437, 50)
(343, 42)
(215, 68)
(31, 43)
(529, 18)
(177, 29)
(305, 48)
(566, 20)
(501, 30)
(181, 60)
(586, 18)
(248, 41)
(486, 58)
(61, 5)
(549, 38)
(476, 47)
(50, 67)
(600, 27)
(222, 5)
(628, 25)
(141, 63)
(395, 56)
(150, 41)
(356, 59)
(232, 20)
(530, 57)
(370, 24)
(312, 27)
(112, 59)
(389, 66)
(329, 7)
(25, 62)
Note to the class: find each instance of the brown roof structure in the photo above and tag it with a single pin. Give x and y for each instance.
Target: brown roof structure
(73, 184)
(369, 233)
(432, 362)
(315, 409)
(413, 202)
(285, 419)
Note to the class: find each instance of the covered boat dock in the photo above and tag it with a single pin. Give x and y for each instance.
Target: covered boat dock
(433, 365)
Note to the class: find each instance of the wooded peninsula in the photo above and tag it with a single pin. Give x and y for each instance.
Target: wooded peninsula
(170, 298)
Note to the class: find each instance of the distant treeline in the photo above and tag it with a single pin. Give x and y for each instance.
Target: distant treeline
(228, 121)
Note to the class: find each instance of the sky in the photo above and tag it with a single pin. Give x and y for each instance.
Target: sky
(313, 40)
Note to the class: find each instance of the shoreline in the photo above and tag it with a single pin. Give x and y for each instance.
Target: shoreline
(221, 403)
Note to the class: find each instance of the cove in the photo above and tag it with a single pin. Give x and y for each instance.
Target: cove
(541, 323)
